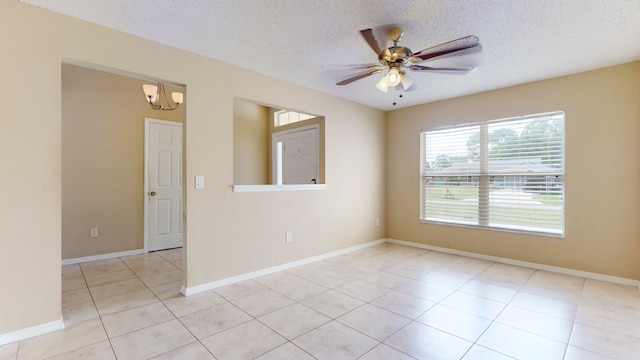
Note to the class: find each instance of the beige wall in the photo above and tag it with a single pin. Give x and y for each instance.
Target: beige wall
(251, 141)
(602, 210)
(103, 118)
(226, 233)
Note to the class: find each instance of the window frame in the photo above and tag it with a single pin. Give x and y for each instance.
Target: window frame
(486, 179)
(299, 116)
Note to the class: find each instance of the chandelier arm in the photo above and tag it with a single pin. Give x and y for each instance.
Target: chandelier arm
(160, 90)
(164, 92)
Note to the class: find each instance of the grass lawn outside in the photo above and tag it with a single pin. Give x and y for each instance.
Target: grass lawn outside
(452, 203)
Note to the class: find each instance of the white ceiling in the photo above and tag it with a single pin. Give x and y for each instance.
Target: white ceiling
(307, 41)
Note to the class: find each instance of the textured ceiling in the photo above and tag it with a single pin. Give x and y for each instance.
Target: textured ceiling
(307, 42)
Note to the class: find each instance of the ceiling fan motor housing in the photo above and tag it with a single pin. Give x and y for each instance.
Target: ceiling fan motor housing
(394, 56)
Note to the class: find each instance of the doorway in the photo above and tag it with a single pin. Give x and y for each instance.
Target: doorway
(103, 131)
(103, 115)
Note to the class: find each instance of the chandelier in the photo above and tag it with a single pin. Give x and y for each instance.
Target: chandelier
(154, 93)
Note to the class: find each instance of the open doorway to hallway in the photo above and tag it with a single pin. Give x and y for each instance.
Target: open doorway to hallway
(103, 162)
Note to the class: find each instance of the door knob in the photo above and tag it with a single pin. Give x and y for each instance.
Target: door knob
(152, 193)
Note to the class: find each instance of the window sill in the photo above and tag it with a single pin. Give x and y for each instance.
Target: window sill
(496, 228)
(262, 188)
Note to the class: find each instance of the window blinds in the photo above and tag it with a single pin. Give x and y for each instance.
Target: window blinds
(506, 174)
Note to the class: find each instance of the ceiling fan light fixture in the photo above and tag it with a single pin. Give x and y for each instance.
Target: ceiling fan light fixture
(393, 77)
(383, 85)
(406, 82)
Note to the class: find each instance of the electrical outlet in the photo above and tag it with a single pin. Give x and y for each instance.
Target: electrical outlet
(94, 232)
(288, 237)
(377, 222)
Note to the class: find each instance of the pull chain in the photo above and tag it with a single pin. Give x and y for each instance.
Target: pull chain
(394, 97)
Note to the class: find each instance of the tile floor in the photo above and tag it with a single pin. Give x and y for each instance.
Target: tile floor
(384, 302)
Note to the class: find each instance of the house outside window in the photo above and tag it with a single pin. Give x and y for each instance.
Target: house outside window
(505, 174)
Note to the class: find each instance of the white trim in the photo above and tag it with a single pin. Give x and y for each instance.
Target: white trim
(102, 256)
(187, 291)
(145, 190)
(115, 71)
(556, 269)
(31, 331)
(293, 187)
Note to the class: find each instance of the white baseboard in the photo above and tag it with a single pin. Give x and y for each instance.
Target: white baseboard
(186, 291)
(556, 269)
(102, 256)
(31, 331)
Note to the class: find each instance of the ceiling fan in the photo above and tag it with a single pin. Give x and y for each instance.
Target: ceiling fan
(396, 59)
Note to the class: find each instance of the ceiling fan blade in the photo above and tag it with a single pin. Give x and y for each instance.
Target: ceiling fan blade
(461, 71)
(358, 67)
(358, 77)
(371, 40)
(450, 47)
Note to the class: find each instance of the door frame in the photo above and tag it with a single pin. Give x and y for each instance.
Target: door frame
(147, 122)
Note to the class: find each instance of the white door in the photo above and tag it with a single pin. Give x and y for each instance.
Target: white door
(292, 162)
(163, 185)
(299, 156)
(308, 156)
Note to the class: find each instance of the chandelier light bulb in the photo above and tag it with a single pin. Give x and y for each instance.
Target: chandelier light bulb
(151, 93)
(177, 98)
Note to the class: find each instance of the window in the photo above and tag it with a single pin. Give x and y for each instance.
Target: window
(285, 117)
(505, 174)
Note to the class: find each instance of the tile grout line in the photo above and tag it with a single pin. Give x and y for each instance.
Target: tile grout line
(175, 317)
(100, 315)
(82, 271)
(104, 328)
